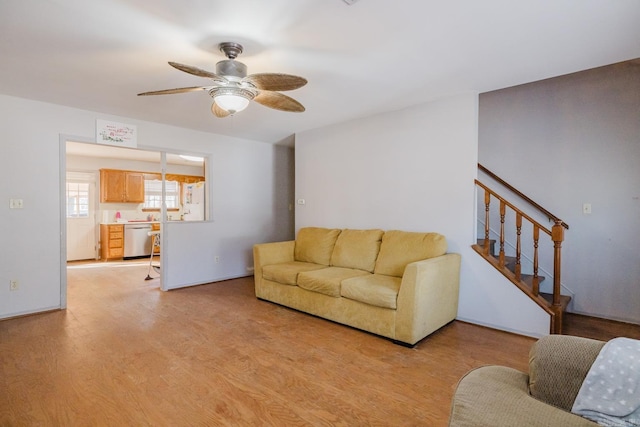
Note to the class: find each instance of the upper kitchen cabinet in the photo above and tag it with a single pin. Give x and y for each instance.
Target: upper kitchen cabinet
(119, 186)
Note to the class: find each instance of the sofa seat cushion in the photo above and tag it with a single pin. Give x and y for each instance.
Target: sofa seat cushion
(357, 249)
(315, 244)
(400, 248)
(286, 273)
(327, 280)
(375, 289)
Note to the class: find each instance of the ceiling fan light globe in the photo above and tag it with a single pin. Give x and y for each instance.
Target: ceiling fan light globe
(231, 103)
(232, 99)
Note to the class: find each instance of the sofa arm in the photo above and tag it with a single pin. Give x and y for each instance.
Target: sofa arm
(558, 365)
(428, 297)
(271, 253)
(498, 396)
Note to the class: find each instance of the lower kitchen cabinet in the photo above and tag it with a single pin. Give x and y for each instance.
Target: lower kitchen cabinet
(111, 241)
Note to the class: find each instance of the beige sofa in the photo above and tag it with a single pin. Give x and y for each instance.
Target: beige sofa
(401, 285)
(498, 396)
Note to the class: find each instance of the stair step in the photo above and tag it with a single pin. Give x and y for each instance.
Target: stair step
(492, 245)
(510, 264)
(564, 300)
(528, 279)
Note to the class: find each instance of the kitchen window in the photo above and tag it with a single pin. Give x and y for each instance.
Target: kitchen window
(153, 194)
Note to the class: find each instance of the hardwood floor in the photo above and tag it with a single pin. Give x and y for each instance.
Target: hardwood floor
(599, 329)
(125, 353)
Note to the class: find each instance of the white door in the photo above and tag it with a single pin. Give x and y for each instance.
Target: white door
(81, 222)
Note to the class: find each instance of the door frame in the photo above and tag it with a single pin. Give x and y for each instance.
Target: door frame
(62, 176)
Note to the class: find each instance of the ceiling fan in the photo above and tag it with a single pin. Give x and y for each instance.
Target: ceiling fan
(232, 89)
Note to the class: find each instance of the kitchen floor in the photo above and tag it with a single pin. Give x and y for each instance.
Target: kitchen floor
(132, 270)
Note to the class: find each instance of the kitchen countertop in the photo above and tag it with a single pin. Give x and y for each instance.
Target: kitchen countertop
(130, 222)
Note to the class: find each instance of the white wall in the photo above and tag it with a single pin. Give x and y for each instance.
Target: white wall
(571, 140)
(250, 195)
(252, 188)
(411, 170)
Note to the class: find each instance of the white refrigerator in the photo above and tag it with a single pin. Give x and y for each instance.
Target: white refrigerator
(193, 201)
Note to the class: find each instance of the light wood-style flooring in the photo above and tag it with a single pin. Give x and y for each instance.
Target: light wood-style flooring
(125, 353)
(599, 329)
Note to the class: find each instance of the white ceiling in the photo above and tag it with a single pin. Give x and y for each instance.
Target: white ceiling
(367, 58)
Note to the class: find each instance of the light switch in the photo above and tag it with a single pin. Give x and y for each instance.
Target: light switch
(586, 208)
(301, 201)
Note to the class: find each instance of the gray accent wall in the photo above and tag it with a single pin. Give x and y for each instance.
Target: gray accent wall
(570, 141)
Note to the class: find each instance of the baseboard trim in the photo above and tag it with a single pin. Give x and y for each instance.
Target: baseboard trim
(30, 313)
(500, 328)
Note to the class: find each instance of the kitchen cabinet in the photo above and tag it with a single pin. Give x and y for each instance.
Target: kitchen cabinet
(111, 241)
(120, 186)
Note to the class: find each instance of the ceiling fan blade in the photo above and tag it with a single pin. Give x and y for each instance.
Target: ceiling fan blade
(219, 112)
(199, 72)
(170, 91)
(275, 81)
(278, 101)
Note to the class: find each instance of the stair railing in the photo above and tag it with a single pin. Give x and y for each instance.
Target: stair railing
(556, 234)
(504, 183)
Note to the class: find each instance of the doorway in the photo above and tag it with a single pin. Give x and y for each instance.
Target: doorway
(85, 159)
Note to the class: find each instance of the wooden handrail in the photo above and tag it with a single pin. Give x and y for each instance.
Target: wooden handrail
(513, 207)
(549, 215)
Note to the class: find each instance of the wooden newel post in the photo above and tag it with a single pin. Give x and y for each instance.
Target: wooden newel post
(557, 235)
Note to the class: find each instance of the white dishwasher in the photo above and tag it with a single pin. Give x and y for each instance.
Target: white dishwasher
(137, 241)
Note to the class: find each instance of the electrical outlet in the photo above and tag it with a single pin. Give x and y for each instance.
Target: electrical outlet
(14, 285)
(16, 203)
(216, 259)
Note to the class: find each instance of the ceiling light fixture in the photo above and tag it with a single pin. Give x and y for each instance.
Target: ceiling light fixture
(232, 99)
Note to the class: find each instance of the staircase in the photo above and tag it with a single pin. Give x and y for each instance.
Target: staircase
(553, 303)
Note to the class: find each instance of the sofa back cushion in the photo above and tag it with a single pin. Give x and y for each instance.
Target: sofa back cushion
(315, 244)
(357, 249)
(400, 248)
(558, 365)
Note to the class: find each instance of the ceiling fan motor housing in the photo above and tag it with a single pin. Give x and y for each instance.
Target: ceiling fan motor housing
(230, 68)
